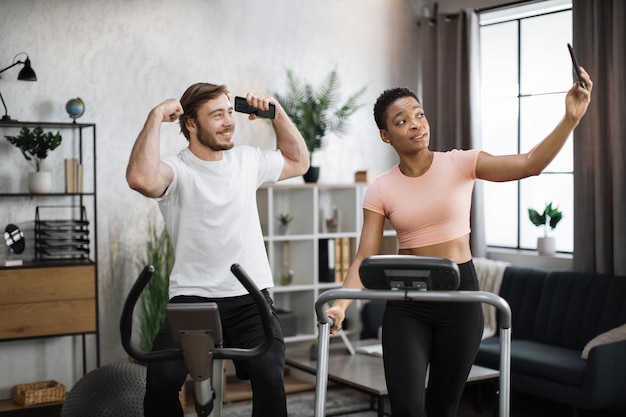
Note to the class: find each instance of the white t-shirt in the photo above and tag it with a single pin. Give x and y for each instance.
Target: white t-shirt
(210, 212)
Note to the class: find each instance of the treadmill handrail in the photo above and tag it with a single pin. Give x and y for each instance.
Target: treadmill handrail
(417, 295)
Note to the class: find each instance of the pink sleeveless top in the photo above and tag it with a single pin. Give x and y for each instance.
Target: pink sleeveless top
(432, 208)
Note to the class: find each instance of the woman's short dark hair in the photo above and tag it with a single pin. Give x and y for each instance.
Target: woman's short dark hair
(384, 101)
(194, 97)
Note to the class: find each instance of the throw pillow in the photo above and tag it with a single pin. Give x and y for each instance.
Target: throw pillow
(613, 335)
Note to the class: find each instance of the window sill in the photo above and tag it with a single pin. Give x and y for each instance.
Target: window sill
(532, 259)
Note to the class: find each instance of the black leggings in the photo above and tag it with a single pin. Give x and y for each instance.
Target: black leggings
(241, 327)
(443, 334)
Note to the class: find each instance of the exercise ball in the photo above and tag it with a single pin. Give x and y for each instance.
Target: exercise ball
(114, 390)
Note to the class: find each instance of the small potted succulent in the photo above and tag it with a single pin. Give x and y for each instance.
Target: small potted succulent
(283, 222)
(35, 146)
(549, 219)
(287, 277)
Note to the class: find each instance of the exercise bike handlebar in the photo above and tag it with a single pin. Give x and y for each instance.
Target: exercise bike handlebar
(126, 323)
(266, 320)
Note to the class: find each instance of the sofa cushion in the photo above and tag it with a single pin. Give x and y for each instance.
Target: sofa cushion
(575, 307)
(563, 308)
(521, 288)
(554, 363)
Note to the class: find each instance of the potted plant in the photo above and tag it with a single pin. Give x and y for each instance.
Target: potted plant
(35, 145)
(287, 277)
(315, 111)
(550, 217)
(283, 222)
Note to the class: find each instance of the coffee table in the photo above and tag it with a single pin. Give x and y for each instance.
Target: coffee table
(363, 372)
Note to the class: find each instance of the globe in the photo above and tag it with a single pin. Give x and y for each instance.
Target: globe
(75, 108)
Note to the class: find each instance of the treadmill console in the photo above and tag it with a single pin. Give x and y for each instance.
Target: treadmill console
(409, 272)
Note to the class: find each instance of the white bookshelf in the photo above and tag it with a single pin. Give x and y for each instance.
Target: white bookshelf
(297, 248)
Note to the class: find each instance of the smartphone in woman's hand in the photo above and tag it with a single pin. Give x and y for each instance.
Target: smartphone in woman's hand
(576, 66)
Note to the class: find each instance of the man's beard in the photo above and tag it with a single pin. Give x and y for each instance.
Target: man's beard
(210, 141)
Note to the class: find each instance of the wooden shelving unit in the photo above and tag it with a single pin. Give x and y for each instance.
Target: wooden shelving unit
(51, 295)
(321, 212)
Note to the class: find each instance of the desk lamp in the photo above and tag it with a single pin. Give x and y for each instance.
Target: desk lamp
(26, 74)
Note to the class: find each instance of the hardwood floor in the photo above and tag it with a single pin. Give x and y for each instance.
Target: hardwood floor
(237, 392)
(521, 405)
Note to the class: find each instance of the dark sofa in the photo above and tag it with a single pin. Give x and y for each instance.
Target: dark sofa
(555, 314)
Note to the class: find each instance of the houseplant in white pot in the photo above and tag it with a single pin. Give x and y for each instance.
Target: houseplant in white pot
(35, 146)
(316, 111)
(550, 217)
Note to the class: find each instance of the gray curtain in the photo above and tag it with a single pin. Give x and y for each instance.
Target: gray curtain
(450, 94)
(600, 139)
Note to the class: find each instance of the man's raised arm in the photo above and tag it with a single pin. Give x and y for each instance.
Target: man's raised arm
(145, 172)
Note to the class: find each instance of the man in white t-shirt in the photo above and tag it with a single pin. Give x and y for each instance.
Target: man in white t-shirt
(207, 195)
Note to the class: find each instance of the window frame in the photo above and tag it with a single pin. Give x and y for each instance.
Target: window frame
(517, 14)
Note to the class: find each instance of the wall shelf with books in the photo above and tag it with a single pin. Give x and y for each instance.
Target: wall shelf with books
(51, 289)
(313, 252)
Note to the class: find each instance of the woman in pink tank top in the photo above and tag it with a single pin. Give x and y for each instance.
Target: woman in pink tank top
(427, 198)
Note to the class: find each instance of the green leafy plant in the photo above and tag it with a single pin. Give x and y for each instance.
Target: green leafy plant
(315, 111)
(35, 144)
(284, 218)
(287, 277)
(550, 217)
(160, 254)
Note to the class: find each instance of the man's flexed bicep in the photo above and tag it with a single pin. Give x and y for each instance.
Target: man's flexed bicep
(145, 172)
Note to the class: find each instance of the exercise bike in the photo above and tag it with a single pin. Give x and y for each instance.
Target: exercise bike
(408, 277)
(197, 329)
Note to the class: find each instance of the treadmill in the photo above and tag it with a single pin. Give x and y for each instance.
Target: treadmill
(410, 278)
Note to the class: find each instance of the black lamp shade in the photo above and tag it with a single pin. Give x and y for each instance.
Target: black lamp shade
(27, 73)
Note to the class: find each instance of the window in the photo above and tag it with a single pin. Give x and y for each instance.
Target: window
(525, 74)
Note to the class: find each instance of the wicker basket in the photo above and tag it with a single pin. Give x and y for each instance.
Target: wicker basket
(38, 393)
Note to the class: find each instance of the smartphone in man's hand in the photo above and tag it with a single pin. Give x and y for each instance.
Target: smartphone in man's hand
(242, 106)
(576, 66)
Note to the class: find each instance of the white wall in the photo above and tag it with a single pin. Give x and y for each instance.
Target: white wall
(124, 57)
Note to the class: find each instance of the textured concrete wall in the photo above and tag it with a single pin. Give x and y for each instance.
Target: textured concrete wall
(122, 57)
